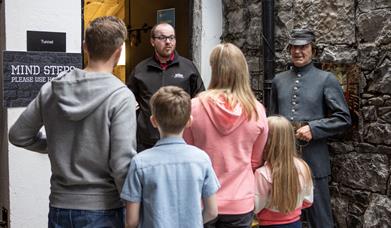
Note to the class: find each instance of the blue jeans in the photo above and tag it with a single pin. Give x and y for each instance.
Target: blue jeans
(71, 218)
(296, 224)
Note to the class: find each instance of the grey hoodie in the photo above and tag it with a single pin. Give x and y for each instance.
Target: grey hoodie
(90, 123)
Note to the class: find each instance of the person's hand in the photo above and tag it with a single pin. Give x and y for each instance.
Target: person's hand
(304, 133)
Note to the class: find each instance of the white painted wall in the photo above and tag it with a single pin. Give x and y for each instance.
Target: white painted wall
(42, 15)
(29, 172)
(29, 175)
(212, 28)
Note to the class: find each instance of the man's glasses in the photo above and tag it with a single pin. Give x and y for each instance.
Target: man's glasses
(164, 38)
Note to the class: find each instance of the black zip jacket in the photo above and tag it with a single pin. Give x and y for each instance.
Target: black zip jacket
(148, 76)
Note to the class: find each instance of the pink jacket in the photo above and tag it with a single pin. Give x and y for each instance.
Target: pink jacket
(235, 147)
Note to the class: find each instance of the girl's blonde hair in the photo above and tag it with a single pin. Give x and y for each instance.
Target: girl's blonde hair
(280, 153)
(231, 79)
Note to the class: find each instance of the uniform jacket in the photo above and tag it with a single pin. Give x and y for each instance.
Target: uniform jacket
(235, 146)
(311, 95)
(148, 77)
(90, 121)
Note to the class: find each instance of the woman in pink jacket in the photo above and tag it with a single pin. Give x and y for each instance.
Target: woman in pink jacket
(231, 126)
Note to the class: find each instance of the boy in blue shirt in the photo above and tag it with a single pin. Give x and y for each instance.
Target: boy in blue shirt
(165, 184)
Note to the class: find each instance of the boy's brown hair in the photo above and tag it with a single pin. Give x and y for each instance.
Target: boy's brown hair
(103, 36)
(171, 107)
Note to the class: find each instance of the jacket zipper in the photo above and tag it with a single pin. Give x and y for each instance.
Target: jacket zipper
(162, 73)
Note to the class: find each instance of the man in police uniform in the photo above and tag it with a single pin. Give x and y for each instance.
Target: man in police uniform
(313, 101)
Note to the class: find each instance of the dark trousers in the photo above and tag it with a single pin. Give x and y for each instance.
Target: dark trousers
(231, 221)
(296, 224)
(319, 214)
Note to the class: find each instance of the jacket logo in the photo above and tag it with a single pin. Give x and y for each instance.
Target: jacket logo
(177, 75)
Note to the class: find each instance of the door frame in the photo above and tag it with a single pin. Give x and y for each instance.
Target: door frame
(4, 167)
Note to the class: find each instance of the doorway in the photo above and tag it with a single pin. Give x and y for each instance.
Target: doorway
(144, 16)
(140, 17)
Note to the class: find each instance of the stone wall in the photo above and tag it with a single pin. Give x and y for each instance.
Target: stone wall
(353, 33)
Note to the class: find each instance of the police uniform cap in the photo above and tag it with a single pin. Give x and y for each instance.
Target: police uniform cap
(301, 37)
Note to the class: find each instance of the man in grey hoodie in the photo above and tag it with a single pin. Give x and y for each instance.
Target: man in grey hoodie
(90, 121)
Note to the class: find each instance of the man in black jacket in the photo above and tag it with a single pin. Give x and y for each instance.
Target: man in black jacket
(313, 100)
(165, 67)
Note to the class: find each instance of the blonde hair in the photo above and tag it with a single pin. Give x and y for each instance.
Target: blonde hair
(280, 153)
(231, 79)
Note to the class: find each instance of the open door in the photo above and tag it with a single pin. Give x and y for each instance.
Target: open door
(140, 16)
(144, 15)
